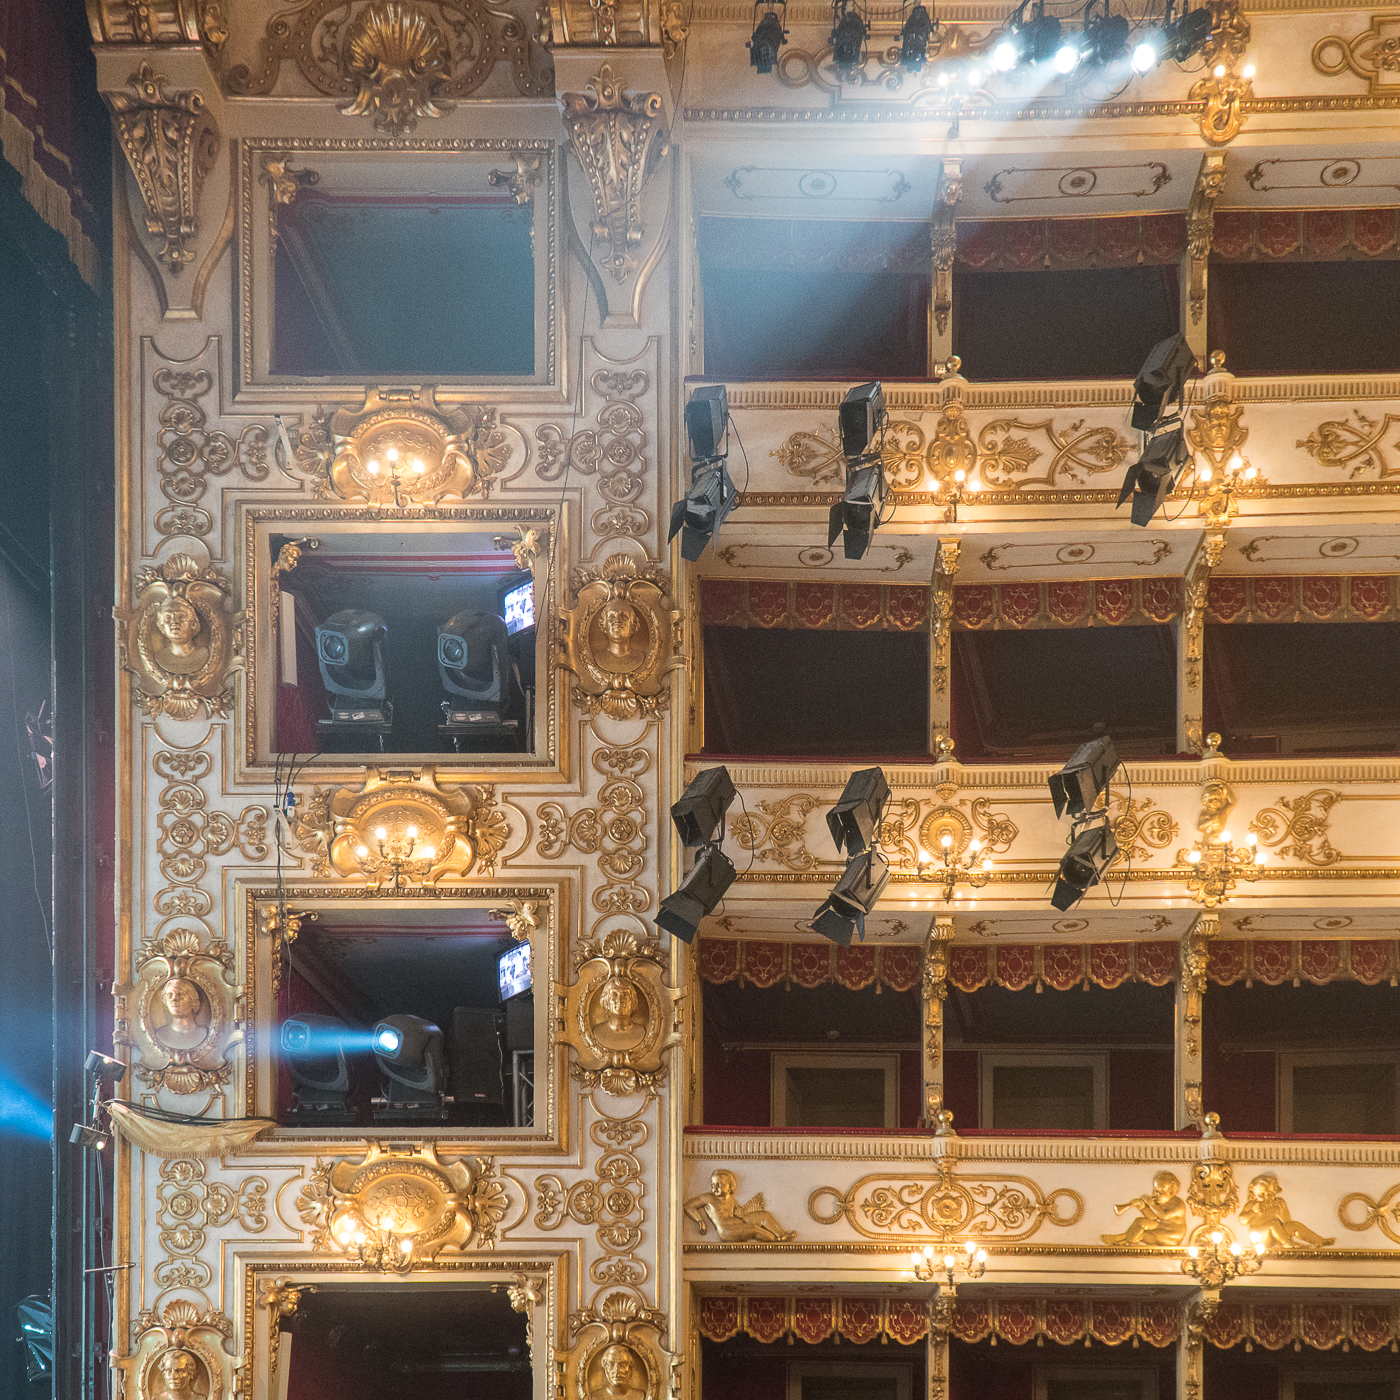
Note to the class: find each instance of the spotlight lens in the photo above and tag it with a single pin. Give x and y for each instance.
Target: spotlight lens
(1066, 56)
(1004, 56)
(1144, 57)
(387, 1040)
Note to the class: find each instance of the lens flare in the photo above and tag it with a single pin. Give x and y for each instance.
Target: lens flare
(23, 1113)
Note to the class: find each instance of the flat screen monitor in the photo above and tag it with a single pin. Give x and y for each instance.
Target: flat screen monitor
(513, 971)
(519, 607)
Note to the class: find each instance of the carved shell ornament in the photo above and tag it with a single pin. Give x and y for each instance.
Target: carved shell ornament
(182, 1013)
(180, 1353)
(179, 640)
(616, 1358)
(397, 55)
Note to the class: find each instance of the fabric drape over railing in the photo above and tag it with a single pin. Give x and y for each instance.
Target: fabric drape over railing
(1119, 602)
(1061, 966)
(1303, 235)
(1025, 245)
(1322, 1326)
(1275, 961)
(762, 963)
(1316, 598)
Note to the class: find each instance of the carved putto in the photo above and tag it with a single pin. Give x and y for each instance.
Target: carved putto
(401, 829)
(171, 142)
(733, 1222)
(394, 1209)
(617, 1361)
(180, 1353)
(618, 1016)
(183, 993)
(1161, 1215)
(1265, 1212)
(403, 455)
(621, 638)
(180, 639)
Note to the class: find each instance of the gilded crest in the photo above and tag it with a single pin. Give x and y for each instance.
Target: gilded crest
(621, 638)
(179, 640)
(182, 996)
(618, 1359)
(396, 56)
(180, 1353)
(395, 1208)
(618, 1015)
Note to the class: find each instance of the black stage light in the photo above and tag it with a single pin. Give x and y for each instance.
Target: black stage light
(848, 31)
(474, 665)
(1161, 381)
(699, 812)
(699, 893)
(36, 1335)
(1090, 853)
(1105, 39)
(103, 1067)
(698, 517)
(768, 37)
(1152, 478)
(313, 1049)
(706, 421)
(914, 38)
(842, 913)
(1077, 786)
(93, 1138)
(855, 819)
(350, 650)
(1187, 34)
(861, 417)
(1041, 37)
(856, 516)
(408, 1050)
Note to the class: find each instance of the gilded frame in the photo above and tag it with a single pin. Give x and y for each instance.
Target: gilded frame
(257, 1090)
(253, 380)
(256, 757)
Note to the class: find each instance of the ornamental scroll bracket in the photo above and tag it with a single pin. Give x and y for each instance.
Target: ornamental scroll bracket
(944, 239)
(1222, 90)
(173, 22)
(170, 141)
(619, 1016)
(941, 613)
(1200, 228)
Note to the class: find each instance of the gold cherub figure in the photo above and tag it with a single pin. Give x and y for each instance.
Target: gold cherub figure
(1162, 1215)
(734, 1223)
(1265, 1213)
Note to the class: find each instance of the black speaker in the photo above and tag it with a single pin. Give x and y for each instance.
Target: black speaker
(520, 1024)
(476, 1057)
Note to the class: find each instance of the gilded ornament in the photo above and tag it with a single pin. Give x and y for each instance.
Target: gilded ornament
(523, 180)
(281, 1297)
(180, 1353)
(619, 1016)
(170, 22)
(179, 640)
(620, 638)
(1298, 827)
(617, 1361)
(1161, 1216)
(1138, 830)
(1373, 54)
(283, 185)
(1265, 1213)
(618, 139)
(944, 239)
(734, 1223)
(183, 993)
(526, 1293)
(170, 141)
(1382, 1211)
(397, 1208)
(187, 1207)
(522, 918)
(941, 610)
(401, 829)
(776, 830)
(1211, 1194)
(397, 57)
(946, 1206)
(1358, 448)
(525, 548)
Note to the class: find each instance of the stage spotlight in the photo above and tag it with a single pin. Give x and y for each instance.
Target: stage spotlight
(842, 914)
(313, 1049)
(854, 821)
(350, 650)
(862, 417)
(1152, 478)
(707, 421)
(1187, 34)
(1090, 853)
(103, 1067)
(474, 665)
(1105, 39)
(1161, 381)
(1147, 55)
(768, 37)
(92, 1138)
(1041, 36)
(36, 1335)
(1078, 785)
(408, 1050)
(699, 516)
(699, 812)
(914, 37)
(699, 893)
(848, 31)
(1066, 57)
(1005, 56)
(856, 516)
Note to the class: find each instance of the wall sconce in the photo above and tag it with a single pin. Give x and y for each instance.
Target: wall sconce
(1216, 867)
(953, 870)
(1217, 1263)
(1216, 494)
(932, 1267)
(398, 856)
(399, 472)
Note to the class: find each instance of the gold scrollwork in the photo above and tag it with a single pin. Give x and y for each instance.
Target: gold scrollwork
(183, 994)
(397, 1208)
(1359, 448)
(1298, 827)
(179, 640)
(941, 610)
(173, 22)
(1137, 830)
(1382, 1211)
(620, 638)
(617, 1359)
(946, 1206)
(187, 1206)
(180, 1353)
(1373, 54)
(170, 141)
(1005, 453)
(619, 1016)
(776, 830)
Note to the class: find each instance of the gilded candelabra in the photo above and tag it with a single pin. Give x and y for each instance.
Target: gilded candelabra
(951, 870)
(932, 1267)
(1216, 494)
(399, 471)
(958, 490)
(1216, 867)
(397, 856)
(1215, 1264)
(381, 1250)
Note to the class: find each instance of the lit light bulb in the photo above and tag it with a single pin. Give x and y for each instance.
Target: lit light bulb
(418, 466)
(981, 1256)
(372, 467)
(1066, 56)
(1219, 70)
(974, 76)
(986, 862)
(945, 840)
(960, 475)
(1258, 1239)
(1193, 857)
(1250, 473)
(430, 853)
(1206, 473)
(412, 833)
(972, 487)
(1194, 1252)
(942, 80)
(974, 845)
(1237, 1249)
(1225, 837)
(1004, 56)
(1248, 70)
(362, 851)
(1252, 839)
(923, 856)
(1144, 57)
(971, 1247)
(1216, 1237)
(1260, 857)
(392, 454)
(948, 1261)
(380, 834)
(1235, 462)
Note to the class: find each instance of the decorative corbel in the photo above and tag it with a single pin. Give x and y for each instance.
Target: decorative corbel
(1200, 228)
(935, 993)
(283, 185)
(1197, 592)
(941, 614)
(171, 141)
(944, 239)
(281, 1297)
(523, 180)
(1190, 998)
(1222, 90)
